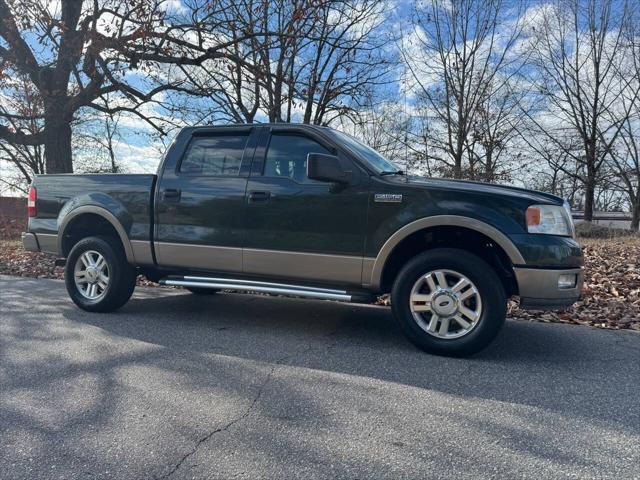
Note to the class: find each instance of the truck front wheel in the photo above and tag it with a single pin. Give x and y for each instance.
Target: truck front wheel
(97, 275)
(449, 302)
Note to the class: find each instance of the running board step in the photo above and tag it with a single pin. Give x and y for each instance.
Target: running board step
(268, 287)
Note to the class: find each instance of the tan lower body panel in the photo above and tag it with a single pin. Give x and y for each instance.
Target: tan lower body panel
(142, 252)
(342, 269)
(317, 267)
(367, 270)
(199, 257)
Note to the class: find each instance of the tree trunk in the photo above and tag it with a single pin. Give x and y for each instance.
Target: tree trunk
(635, 215)
(488, 175)
(114, 166)
(590, 186)
(308, 109)
(589, 196)
(57, 143)
(457, 164)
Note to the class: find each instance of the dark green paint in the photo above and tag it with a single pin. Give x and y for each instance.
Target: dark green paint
(314, 218)
(128, 197)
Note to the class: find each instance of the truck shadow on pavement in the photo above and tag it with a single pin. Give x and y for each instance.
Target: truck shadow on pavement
(537, 364)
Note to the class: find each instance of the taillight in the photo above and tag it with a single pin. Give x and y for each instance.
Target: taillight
(31, 202)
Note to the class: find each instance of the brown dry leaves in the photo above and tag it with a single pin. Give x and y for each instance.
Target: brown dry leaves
(10, 228)
(611, 293)
(14, 260)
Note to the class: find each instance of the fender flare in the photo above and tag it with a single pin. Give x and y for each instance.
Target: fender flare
(104, 213)
(439, 221)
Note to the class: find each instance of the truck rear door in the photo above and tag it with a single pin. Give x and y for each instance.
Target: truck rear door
(200, 201)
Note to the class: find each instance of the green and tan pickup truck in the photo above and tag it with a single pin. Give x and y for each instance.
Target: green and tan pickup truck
(307, 211)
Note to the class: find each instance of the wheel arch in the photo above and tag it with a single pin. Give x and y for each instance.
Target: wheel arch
(434, 223)
(85, 212)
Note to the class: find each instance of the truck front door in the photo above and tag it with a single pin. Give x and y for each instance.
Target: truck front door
(300, 228)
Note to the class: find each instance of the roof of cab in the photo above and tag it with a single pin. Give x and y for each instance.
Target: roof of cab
(272, 124)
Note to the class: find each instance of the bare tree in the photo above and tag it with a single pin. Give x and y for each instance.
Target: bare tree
(459, 61)
(320, 61)
(554, 168)
(96, 142)
(383, 125)
(23, 163)
(626, 163)
(578, 52)
(346, 60)
(259, 79)
(86, 49)
(494, 127)
(625, 159)
(19, 96)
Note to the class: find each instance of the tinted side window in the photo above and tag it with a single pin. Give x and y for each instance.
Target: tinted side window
(214, 155)
(287, 156)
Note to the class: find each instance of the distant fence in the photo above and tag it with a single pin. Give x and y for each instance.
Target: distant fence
(13, 207)
(606, 219)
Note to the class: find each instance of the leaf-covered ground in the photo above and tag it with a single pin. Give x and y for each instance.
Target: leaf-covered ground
(611, 294)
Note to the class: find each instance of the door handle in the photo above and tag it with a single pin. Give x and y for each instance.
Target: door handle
(171, 194)
(256, 196)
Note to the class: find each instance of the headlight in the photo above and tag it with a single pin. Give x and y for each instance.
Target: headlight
(550, 219)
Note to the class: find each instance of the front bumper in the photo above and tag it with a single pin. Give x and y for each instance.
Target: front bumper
(538, 288)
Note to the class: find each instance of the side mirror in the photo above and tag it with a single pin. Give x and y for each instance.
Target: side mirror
(326, 168)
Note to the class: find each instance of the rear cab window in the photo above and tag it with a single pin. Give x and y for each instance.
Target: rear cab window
(218, 154)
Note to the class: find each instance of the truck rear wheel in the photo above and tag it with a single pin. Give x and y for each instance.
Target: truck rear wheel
(449, 302)
(97, 275)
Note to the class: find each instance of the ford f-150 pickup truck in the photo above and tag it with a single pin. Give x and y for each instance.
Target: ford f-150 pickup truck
(308, 211)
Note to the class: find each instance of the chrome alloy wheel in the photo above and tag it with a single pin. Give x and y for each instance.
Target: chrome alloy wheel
(445, 304)
(91, 275)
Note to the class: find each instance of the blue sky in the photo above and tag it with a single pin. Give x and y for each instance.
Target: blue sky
(140, 147)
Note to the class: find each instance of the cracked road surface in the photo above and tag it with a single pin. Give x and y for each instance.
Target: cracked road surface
(180, 386)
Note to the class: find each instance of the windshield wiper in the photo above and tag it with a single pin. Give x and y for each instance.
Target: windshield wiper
(392, 172)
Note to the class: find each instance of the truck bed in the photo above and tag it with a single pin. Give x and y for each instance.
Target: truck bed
(129, 197)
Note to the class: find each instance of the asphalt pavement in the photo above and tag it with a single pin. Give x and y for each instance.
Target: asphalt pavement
(176, 385)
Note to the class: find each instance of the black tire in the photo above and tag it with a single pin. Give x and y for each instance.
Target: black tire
(202, 291)
(484, 279)
(122, 276)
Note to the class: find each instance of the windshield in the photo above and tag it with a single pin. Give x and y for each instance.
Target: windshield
(373, 158)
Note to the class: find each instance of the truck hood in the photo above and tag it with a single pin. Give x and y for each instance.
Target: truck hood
(487, 188)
